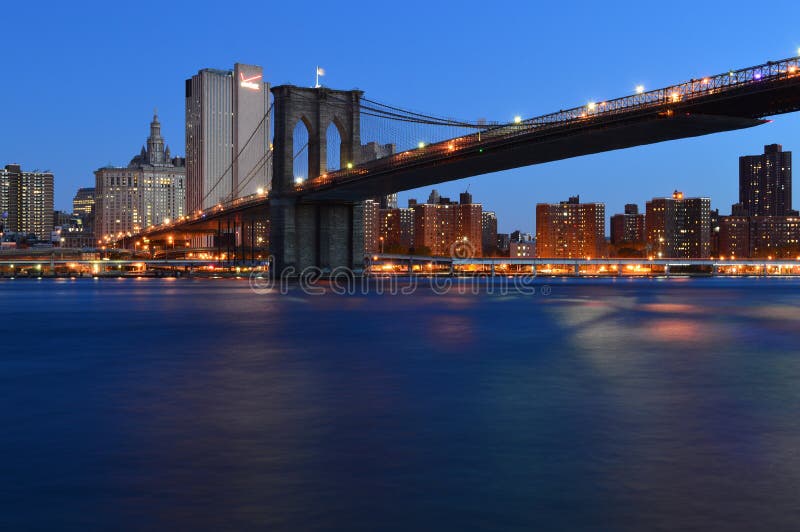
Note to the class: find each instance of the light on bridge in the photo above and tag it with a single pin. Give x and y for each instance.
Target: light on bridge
(639, 89)
(517, 119)
(591, 106)
(298, 180)
(421, 145)
(349, 166)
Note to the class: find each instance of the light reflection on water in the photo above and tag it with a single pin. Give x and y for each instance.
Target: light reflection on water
(612, 404)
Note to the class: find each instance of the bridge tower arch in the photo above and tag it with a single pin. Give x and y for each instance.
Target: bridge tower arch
(326, 235)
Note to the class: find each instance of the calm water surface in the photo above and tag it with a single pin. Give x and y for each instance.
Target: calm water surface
(199, 405)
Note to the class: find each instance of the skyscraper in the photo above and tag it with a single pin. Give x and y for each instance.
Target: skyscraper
(372, 224)
(396, 230)
(5, 183)
(570, 229)
(26, 201)
(83, 202)
(443, 227)
(679, 227)
(489, 233)
(628, 228)
(765, 182)
(627, 232)
(227, 135)
(150, 189)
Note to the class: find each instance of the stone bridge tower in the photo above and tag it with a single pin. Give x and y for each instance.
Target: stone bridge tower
(325, 235)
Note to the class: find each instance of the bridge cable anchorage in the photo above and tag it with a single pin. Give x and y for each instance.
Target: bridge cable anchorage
(236, 159)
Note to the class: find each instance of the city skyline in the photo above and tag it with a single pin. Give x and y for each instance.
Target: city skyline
(104, 122)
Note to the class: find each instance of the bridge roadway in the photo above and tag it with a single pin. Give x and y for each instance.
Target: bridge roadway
(729, 101)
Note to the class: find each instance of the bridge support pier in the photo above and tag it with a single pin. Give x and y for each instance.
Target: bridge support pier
(324, 236)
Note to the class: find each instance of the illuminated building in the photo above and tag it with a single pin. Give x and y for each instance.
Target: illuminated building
(627, 232)
(734, 236)
(679, 227)
(763, 223)
(469, 223)
(765, 183)
(83, 207)
(489, 233)
(446, 228)
(83, 202)
(570, 229)
(628, 228)
(775, 236)
(372, 224)
(227, 135)
(503, 244)
(522, 250)
(519, 236)
(373, 206)
(396, 230)
(149, 190)
(26, 201)
(5, 177)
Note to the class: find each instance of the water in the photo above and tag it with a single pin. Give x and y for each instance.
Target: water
(199, 405)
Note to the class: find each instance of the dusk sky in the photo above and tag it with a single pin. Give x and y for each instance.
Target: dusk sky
(80, 82)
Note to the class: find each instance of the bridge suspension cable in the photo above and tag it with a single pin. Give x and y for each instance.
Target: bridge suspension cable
(397, 113)
(236, 159)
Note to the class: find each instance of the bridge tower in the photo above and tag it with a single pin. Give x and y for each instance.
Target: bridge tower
(328, 234)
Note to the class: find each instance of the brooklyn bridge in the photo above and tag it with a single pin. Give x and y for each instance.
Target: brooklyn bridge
(315, 216)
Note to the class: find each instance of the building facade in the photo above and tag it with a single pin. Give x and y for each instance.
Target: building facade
(628, 228)
(765, 183)
(227, 135)
(83, 202)
(150, 190)
(489, 233)
(396, 233)
(26, 201)
(570, 229)
(522, 250)
(678, 227)
(734, 236)
(446, 228)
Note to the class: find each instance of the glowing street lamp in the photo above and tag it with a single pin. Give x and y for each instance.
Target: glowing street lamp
(517, 119)
(639, 89)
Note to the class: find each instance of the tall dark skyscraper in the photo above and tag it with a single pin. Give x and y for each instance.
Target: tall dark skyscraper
(765, 183)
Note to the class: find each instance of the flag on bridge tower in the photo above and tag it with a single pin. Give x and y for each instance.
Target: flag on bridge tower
(320, 72)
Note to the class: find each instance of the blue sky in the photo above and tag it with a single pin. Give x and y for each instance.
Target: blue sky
(81, 79)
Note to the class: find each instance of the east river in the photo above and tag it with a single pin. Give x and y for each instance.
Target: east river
(616, 404)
